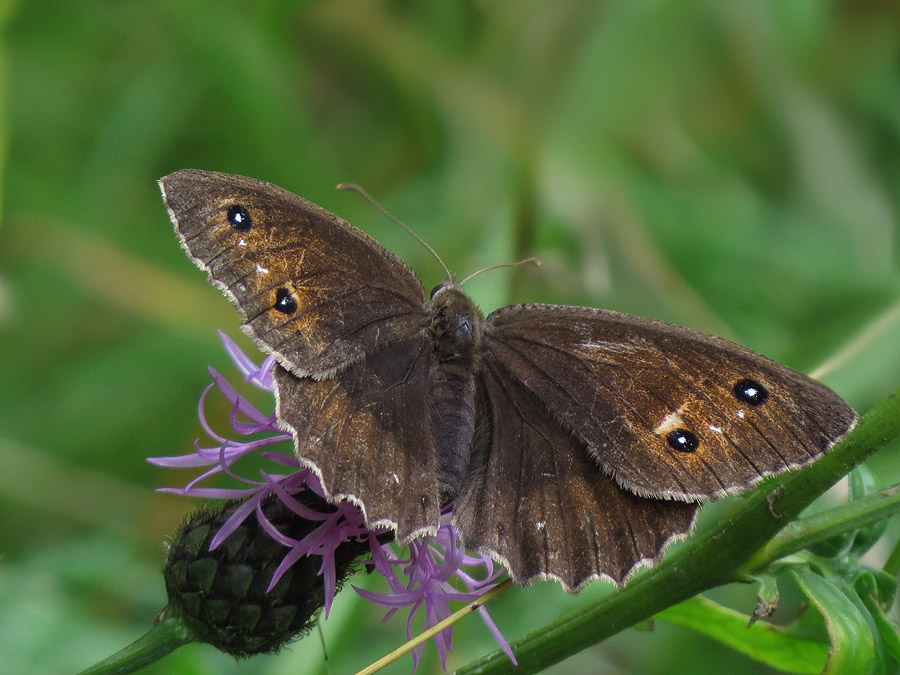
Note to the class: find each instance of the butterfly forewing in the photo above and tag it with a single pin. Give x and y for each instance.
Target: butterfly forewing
(314, 291)
(668, 411)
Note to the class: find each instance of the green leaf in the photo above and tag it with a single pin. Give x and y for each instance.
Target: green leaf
(766, 598)
(852, 644)
(885, 585)
(833, 546)
(772, 645)
(892, 565)
(868, 589)
(862, 484)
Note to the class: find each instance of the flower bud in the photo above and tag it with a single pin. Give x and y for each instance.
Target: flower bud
(222, 594)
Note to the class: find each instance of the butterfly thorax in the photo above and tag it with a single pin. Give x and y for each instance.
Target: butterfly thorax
(456, 329)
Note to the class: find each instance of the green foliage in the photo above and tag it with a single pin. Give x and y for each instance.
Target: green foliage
(731, 166)
(779, 647)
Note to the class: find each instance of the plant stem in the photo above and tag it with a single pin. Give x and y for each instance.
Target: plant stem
(167, 634)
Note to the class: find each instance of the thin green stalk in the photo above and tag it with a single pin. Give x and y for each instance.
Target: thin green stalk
(805, 532)
(892, 566)
(167, 635)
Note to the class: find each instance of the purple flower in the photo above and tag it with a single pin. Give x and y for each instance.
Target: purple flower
(435, 571)
(424, 580)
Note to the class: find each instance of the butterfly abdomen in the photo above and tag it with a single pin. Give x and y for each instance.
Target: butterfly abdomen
(456, 329)
(452, 418)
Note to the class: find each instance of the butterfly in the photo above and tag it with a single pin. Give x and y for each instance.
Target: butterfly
(573, 443)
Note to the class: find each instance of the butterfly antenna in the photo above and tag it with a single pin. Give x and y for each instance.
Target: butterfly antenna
(365, 195)
(537, 263)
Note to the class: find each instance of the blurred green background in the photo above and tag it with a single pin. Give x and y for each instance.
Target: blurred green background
(732, 166)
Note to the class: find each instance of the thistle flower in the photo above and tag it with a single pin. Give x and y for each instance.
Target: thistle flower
(436, 570)
(423, 580)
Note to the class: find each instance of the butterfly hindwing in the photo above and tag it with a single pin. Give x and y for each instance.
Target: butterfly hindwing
(538, 500)
(668, 411)
(365, 432)
(314, 291)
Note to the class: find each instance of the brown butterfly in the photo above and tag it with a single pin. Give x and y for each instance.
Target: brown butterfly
(574, 443)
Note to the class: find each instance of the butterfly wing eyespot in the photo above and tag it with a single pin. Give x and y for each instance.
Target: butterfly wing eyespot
(682, 440)
(750, 391)
(285, 301)
(239, 218)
